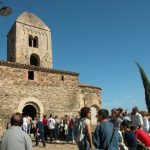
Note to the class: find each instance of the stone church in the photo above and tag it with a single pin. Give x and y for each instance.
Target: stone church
(28, 82)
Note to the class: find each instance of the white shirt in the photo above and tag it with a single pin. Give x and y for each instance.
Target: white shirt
(146, 124)
(136, 120)
(51, 123)
(86, 122)
(25, 121)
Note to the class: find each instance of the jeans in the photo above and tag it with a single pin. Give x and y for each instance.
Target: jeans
(71, 134)
(40, 136)
(45, 132)
(52, 134)
(56, 132)
(29, 128)
(84, 144)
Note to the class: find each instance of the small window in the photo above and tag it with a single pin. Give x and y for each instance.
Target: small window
(31, 75)
(30, 40)
(62, 78)
(35, 42)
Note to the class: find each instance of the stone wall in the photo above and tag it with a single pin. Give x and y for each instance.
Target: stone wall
(51, 91)
(91, 95)
(57, 96)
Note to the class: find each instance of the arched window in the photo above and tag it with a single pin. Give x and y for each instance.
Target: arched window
(35, 42)
(30, 40)
(34, 60)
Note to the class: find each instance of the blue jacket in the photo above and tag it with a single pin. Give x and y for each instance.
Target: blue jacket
(106, 136)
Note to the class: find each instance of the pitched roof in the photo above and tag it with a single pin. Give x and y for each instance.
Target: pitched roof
(32, 20)
(36, 68)
(89, 86)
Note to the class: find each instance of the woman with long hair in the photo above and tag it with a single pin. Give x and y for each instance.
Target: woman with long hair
(85, 142)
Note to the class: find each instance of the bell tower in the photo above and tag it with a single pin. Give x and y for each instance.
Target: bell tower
(29, 41)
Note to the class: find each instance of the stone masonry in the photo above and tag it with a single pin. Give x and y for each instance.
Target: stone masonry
(28, 82)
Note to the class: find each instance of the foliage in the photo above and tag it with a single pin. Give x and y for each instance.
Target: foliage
(146, 85)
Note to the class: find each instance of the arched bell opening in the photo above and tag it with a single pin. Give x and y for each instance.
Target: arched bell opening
(34, 60)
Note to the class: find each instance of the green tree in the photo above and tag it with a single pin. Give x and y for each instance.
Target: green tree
(146, 85)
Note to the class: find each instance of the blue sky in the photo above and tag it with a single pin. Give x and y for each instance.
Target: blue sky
(100, 39)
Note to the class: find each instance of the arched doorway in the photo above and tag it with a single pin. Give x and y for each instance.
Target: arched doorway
(29, 110)
(32, 105)
(34, 60)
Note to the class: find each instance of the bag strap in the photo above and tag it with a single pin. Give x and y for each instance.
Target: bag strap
(112, 135)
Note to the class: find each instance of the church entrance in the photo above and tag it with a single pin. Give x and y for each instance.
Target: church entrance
(29, 110)
(31, 106)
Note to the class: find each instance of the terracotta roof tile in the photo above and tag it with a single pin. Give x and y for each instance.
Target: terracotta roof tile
(36, 68)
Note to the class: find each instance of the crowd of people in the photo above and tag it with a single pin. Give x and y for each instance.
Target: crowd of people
(118, 130)
(52, 129)
(47, 130)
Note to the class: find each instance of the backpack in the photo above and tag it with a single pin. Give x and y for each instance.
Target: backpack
(79, 130)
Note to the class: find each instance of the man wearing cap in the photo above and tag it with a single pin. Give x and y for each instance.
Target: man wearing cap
(136, 118)
(106, 136)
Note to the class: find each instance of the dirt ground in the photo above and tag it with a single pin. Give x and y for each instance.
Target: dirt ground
(52, 146)
(56, 146)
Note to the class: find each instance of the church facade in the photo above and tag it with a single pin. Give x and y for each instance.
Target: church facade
(28, 82)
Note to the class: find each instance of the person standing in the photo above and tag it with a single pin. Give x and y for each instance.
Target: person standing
(51, 127)
(40, 133)
(45, 127)
(136, 118)
(146, 122)
(61, 129)
(66, 131)
(106, 136)
(25, 124)
(115, 118)
(34, 122)
(29, 121)
(57, 123)
(142, 136)
(14, 138)
(70, 130)
(83, 127)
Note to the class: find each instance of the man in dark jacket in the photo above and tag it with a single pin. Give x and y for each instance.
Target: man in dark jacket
(40, 132)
